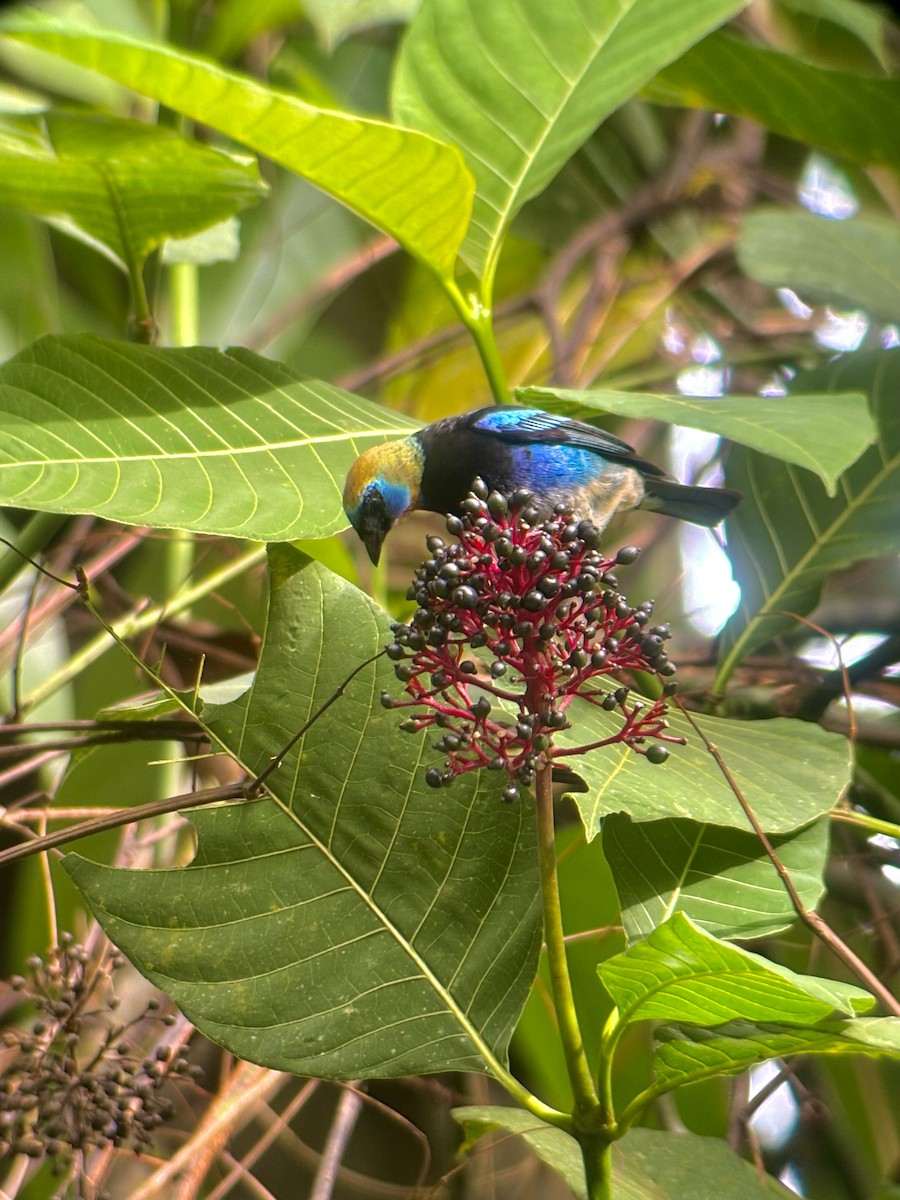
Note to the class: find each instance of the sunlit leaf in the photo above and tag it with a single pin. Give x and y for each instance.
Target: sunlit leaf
(406, 183)
(855, 262)
(721, 878)
(852, 115)
(188, 439)
(788, 535)
(353, 924)
(777, 425)
(679, 973)
(686, 1053)
(519, 85)
(789, 772)
(125, 184)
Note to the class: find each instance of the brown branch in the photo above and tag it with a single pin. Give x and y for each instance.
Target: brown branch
(123, 816)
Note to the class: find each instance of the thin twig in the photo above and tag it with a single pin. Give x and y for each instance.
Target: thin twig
(348, 1110)
(124, 816)
(810, 919)
(257, 784)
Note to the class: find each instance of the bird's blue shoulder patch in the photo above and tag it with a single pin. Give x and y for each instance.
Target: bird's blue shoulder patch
(527, 420)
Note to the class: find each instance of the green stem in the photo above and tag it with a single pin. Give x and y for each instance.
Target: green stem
(596, 1154)
(179, 557)
(638, 1103)
(184, 279)
(587, 1106)
(477, 317)
(867, 822)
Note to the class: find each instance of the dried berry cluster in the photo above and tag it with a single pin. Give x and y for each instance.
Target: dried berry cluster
(57, 1098)
(514, 620)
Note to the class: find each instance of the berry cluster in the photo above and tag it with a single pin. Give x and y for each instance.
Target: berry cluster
(70, 1082)
(514, 620)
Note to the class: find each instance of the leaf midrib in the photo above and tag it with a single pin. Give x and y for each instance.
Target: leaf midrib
(515, 183)
(191, 455)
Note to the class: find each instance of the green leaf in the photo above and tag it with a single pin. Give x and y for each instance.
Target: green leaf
(519, 86)
(789, 772)
(125, 184)
(854, 262)
(788, 535)
(413, 187)
(680, 973)
(193, 439)
(721, 878)
(354, 924)
(648, 1164)
(688, 1167)
(848, 114)
(686, 1053)
(777, 425)
(863, 22)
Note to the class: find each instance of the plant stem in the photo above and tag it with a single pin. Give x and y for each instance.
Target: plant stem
(478, 319)
(586, 1102)
(596, 1153)
(184, 299)
(592, 1119)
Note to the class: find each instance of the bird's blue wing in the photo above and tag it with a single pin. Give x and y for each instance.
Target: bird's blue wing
(521, 426)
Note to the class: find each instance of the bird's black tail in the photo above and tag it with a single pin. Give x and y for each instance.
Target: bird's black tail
(700, 505)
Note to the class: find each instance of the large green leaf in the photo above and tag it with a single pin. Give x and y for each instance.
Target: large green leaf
(519, 85)
(356, 923)
(777, 425)
(721, 878)
(405, 182)
(188, 439)
(855, 262)
(852, 115)
(686, 1053)
(788, 535)
(648, 1164)
(789, 772)
(680, 973)
(126, 184)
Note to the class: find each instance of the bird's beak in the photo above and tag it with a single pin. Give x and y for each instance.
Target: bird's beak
(373, 539)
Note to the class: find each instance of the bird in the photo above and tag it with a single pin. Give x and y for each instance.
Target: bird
(557, 459)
